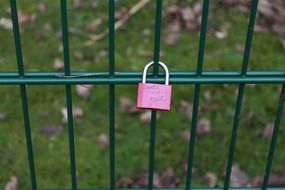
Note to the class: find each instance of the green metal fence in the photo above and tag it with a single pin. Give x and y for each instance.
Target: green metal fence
(113, 78)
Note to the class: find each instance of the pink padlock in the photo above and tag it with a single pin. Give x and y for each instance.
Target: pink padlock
(154, 96)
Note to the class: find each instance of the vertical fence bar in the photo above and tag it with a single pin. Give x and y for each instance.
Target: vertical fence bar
(65, 41)
(200, 62)
(25, 107)
(274, 138)
(241, 90)
(156, 55)
(112, 93)
(234, 135)
(152, 149)
(156, 58)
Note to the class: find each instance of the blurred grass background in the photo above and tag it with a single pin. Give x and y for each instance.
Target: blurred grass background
(42, 45)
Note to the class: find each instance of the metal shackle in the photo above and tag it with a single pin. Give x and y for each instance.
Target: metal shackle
(162, 65)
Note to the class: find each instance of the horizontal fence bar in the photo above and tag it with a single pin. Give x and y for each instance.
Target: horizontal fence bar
(274, 77)
(82, 74)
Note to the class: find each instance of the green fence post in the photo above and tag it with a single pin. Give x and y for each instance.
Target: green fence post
(156, 58)
(274, 139)
(65, 42)
(246, 57)
(112, 93)
(199, 70)
(23, 91)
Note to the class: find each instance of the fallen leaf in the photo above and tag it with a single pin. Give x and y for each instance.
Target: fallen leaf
(265, 9)
(83, 91)
(185, 167)
(203, 126)
(58, 64)
(150, 53)
(47, 27)
(274, 181)
(186, 108)
(124, 182)
(145, 117)
(229, 2)
(279, 29)
(208, 95)
(42, 7)
(197, 8)
(191, 25)
(77, 112)
(184, 17)
(93, 26)
(280, 18)
(156, 181)
(121, 13)
(103, 53)
(211, 179)
(64, 115)
(238, 177)
(255, 182)
(3, 116)
(12, 184)
(209, 107)
(117, 127)
(45, 113)
(268, 130)
(173, 10)
(169, 179)
(141, 179)
(222, 34)
(103, 140)
(127, 105)
(187, 14)
(6, 23)
(239, 47)
(146, 32)
(77, 3)
(260, 28)
(174, 26)
(58, 35)
(185, 135)
(94, 4)
(24, 18)
(172, 39)
(78, 55)
(51, 130)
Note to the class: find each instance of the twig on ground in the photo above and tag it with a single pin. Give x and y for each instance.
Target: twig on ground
(96, 37)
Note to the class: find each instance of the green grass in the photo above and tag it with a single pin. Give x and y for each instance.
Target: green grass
(41, 47)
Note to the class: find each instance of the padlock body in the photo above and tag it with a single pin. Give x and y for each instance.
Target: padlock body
(154, 96)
